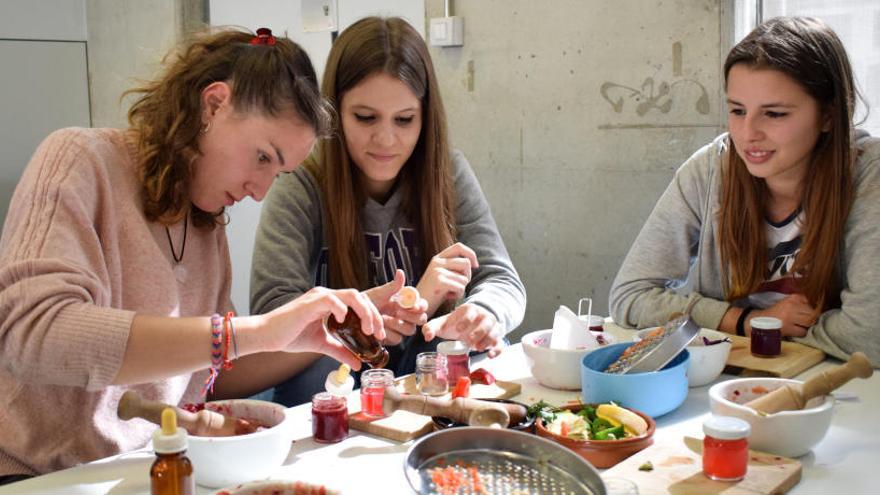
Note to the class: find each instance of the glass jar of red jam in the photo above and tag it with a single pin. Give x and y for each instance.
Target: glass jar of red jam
(373, 384)
(458, 361)
(725, 448)
(766, 336)
(329, 418)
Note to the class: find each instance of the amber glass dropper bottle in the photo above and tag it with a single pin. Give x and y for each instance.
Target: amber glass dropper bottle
(171, 473)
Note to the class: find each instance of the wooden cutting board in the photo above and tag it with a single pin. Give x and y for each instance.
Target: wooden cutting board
(794, 359)
(678, 469)
(403, 426)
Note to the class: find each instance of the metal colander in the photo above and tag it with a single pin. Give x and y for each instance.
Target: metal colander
(470, 460)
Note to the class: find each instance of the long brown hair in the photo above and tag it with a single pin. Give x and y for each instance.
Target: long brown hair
(166, 117)
(808, 51)
(391, 46)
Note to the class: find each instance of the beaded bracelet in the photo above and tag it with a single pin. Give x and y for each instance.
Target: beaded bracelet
(216, 353)
(227, 331)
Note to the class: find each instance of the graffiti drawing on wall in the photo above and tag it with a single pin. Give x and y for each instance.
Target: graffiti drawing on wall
(656, 96)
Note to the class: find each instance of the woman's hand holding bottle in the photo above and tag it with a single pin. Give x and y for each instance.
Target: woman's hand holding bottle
(298, 326)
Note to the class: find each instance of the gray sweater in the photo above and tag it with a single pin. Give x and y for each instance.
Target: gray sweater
(675, 258)
(290, 255)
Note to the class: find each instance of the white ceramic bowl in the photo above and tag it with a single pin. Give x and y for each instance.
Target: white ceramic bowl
(224, 461)
(707, 362)
(556, 368)
(786, 433)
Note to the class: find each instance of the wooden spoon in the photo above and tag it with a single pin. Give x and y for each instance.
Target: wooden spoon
(473, 412)
(205, 423)
(794, 397)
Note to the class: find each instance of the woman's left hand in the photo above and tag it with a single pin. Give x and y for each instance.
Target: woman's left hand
(470, 323)
(399, 322)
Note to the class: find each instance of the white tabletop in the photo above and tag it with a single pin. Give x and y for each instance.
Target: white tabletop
(841, 463)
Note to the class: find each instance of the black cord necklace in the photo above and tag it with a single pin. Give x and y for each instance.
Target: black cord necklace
(182, 246)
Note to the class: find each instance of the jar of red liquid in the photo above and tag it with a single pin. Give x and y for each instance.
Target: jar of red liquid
(431, 373)
(458, 361)
(725, 448)
(373, 384)
(329, 418)
(366, 347)
(766, 336)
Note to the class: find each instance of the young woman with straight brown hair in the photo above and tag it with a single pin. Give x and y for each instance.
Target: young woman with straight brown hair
(387, 198)
(776, 218)
(114, 252)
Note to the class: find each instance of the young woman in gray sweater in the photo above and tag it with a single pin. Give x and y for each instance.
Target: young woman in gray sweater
(779, 216)
(386, 197)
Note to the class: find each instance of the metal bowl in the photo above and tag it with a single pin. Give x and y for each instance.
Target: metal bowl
(491, 460)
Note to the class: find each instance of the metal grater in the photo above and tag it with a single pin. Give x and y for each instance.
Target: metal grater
(499, 473)
(653, 352)
(504, 461)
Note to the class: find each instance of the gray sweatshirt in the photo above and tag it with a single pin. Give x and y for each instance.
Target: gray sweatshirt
(676, 259)
(290, 255)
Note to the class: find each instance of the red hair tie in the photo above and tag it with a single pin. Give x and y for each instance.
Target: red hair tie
(263, 37)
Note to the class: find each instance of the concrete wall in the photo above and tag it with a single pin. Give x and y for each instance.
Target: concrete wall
(126, 42)
(575, 115)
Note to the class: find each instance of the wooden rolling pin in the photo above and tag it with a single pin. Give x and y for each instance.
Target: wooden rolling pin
(204, 423)
(793, 397)
(473, 412)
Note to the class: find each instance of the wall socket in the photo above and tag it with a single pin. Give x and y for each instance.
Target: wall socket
(319, 15)
(446, 31)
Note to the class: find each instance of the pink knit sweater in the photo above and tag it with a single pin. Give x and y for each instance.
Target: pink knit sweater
(77, 260)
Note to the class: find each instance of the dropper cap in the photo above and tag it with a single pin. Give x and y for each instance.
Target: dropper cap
(169, 439)
(340, 381)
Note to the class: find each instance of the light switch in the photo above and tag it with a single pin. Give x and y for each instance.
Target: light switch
(447, 31)
(319, 15)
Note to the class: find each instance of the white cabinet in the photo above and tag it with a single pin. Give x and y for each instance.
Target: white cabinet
(43, 87)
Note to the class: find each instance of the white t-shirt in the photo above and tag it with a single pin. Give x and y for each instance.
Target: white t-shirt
(783, 245)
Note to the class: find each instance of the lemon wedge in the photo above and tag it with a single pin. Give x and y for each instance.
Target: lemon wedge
(616, 415)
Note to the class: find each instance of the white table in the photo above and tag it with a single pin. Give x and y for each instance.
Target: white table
(842, 463)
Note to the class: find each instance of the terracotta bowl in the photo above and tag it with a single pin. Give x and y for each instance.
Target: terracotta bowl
(527, 425)
(602, 453)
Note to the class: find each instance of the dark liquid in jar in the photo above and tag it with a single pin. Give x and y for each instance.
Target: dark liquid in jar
(766, 342)
(366, 347)
(330, 423)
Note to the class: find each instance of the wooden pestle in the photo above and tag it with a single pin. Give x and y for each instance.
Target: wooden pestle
(473, 412)
(793, 397)
(205, 423)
